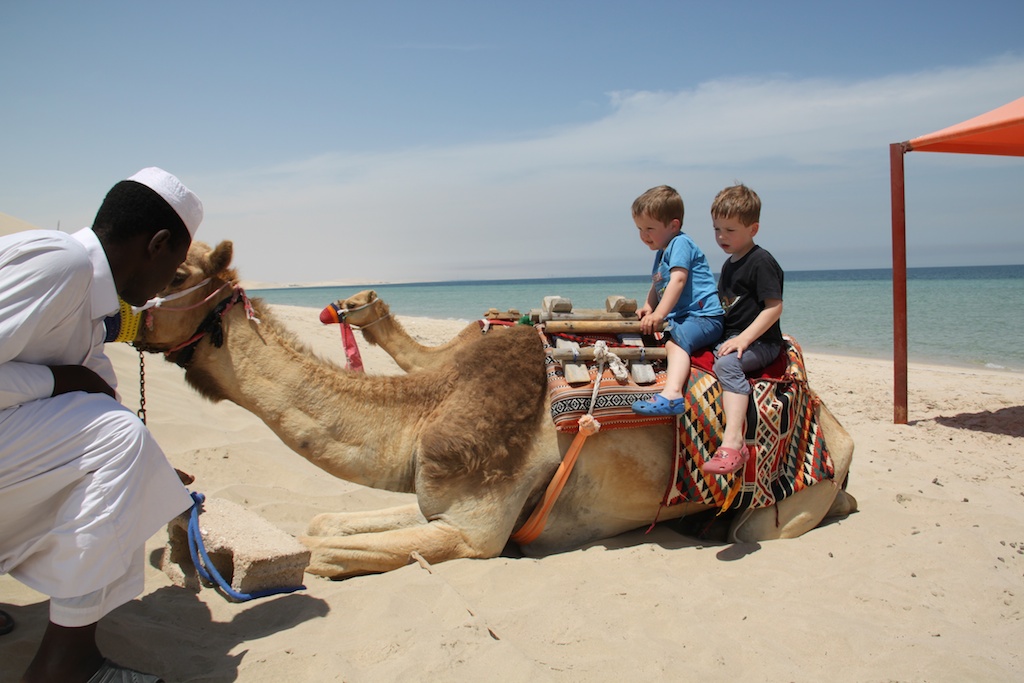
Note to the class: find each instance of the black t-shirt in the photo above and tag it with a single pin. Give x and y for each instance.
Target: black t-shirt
(744, 286)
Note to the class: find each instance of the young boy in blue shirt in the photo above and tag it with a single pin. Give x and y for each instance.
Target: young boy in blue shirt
(751, 291)
(682, 294)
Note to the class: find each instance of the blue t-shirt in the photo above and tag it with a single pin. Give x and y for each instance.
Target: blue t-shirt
(700, 295)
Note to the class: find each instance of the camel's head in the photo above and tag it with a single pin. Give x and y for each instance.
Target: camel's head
(361, 309)
(202, 282)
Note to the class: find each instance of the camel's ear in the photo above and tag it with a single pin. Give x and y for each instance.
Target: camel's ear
(362, 298)
(220, 258)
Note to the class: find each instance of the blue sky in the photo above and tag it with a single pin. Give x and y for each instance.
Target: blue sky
(418, 141)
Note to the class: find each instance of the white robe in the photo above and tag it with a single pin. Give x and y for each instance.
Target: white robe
(83, 484)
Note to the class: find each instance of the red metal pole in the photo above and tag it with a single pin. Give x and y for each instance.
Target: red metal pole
(899, 282)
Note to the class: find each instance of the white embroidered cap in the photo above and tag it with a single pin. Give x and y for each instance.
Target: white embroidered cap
(184, 202)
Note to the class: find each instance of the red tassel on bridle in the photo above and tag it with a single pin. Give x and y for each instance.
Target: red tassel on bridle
(353, 361)
(333, 314)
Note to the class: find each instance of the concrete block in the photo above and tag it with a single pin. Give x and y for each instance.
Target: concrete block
(250, 553)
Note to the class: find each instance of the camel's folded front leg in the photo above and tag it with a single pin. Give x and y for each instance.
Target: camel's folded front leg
(342, 556)
(365, 521)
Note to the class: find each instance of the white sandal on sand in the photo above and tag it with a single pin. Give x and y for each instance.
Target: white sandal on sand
(113, 673)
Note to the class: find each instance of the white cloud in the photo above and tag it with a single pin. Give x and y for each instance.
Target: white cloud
(558, 202)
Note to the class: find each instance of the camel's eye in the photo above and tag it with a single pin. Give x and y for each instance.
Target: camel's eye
(179, 278)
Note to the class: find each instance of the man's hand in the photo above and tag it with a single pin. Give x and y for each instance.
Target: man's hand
(67, 378)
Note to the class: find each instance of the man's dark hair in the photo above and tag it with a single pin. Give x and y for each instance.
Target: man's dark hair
(131, 208)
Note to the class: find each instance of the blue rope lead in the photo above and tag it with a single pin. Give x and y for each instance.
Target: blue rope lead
(207, 571)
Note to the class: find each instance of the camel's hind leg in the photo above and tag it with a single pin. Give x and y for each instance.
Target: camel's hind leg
(844, 504)
(804, 510)
(789, 518)
(367, 521)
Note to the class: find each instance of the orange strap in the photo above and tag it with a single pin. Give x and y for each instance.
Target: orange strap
(533, 526)
(735, 484)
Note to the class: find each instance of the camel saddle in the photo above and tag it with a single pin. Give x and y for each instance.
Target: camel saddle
(788, 451)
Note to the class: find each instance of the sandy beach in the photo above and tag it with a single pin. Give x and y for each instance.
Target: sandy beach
(924, 583)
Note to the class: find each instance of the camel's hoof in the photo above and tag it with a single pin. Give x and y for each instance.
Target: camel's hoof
(316, 526)
(326, 524)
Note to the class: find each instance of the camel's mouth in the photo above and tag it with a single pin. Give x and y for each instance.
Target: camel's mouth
(151, 348)
(178, 354)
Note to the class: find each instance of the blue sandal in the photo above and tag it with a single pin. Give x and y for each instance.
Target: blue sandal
(659, 405)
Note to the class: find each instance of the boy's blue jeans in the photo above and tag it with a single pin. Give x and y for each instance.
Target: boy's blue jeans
(696, 331)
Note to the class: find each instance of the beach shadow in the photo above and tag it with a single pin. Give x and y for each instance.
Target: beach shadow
(19, 646)
(695, 531)
(1006, 421)
(710, 526)
(662, 535)
(170, 631)
(173, 626)
(737, 551)
(701, 530)
(835, 519)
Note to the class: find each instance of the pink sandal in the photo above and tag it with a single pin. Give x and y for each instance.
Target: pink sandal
(726, 460)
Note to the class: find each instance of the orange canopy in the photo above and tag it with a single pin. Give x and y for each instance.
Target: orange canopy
(1000, 131)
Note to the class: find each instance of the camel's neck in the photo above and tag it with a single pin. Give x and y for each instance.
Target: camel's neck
(356, 427)
(410, 355)
(389, 334)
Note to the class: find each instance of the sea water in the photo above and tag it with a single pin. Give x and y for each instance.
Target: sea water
(968, 315)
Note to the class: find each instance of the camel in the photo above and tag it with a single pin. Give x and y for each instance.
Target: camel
(472, 439)
(372, 316)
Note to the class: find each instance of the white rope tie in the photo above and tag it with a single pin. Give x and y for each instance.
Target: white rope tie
(343, 313)
(363, 327)
(615, 364)
(158, 302)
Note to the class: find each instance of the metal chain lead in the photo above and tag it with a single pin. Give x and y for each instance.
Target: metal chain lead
(142, 388)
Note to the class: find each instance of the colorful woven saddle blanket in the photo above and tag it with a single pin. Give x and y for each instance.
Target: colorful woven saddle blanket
(787, 450)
